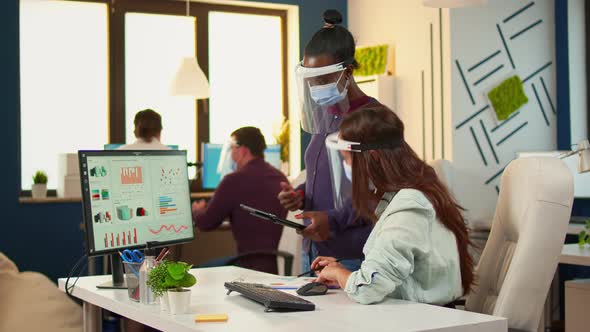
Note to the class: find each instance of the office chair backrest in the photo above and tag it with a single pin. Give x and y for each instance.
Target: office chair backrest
(522, 252)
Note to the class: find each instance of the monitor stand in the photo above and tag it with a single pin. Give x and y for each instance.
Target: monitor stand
(118, 281)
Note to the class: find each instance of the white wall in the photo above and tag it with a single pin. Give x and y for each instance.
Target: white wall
(577, 60)
(469, 35)
(405, 25)
(475, 36)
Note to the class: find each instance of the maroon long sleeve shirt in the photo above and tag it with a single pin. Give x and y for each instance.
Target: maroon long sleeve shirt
(257, 184)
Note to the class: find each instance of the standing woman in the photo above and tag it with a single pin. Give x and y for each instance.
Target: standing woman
(418, 249)
(328, 93)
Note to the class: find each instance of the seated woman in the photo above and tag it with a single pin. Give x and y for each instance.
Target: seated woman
(417, 250)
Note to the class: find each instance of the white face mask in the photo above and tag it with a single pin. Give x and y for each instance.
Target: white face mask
(328, 94)
(372, 186)
(347, 170)
(348, 173)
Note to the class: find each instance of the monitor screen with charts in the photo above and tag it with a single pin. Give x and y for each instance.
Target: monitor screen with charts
(211, 153)
(134, 197)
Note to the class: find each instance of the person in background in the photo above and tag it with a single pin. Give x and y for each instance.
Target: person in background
(328, 92)
(254, 183)
(148, 129)
(418, 249)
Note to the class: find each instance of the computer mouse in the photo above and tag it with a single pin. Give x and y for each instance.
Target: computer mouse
(313, 288)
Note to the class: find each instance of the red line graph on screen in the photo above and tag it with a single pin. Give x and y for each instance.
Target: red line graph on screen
(169, 228)
(131, 175)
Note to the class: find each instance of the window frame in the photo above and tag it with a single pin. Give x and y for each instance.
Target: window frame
(200, 11)
(116, 59)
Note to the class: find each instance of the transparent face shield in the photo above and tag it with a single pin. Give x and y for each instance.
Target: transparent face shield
(323, 96)
(340, 153)
(340, 162)
(226, 163)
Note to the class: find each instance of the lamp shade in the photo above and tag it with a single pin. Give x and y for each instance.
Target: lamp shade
(453, 3)
(190, 80)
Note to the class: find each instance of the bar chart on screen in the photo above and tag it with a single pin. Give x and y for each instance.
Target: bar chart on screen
(120, 238)
(167, 205)
(131, 175)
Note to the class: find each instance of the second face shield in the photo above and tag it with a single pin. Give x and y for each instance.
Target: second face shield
(323, 96)
(340, 161)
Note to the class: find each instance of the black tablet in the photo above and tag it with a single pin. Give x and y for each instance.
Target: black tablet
(271, 217)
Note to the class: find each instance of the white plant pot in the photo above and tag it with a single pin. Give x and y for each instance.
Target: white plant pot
(164, 305)
(39, 190)
(179, 300)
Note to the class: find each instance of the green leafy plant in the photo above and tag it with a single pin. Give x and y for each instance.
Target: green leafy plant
(40, 178)
(170, 275)
(584, 236)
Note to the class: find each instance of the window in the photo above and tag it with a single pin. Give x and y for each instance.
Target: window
(151, 60)
(103, 61)
(245, 70)
(64, 75)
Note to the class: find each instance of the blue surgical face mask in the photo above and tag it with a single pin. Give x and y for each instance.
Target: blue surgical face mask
(328, 94)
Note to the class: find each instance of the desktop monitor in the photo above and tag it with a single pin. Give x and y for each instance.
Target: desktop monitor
(211, 153)
(133, 197)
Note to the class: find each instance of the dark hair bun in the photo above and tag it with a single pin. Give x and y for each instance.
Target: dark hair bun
(332, 16)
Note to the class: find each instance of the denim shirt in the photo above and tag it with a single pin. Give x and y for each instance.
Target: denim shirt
(409, 255)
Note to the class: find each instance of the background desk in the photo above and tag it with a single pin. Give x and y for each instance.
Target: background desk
(573, 254)
(334, 311)
(577, 292)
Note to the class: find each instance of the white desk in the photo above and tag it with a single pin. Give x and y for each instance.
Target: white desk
(575, 228)
(573, 254)
(575, 296)
(334, 311)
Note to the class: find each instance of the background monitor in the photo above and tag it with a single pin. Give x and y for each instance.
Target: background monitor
(211, 153)
(115, 146)
(133, 197)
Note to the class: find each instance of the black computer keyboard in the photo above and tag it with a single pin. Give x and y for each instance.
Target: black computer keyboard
(272, 299)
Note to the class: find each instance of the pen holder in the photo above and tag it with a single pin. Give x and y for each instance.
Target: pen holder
(132, 279)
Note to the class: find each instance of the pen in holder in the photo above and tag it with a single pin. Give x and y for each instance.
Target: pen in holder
(132, 279)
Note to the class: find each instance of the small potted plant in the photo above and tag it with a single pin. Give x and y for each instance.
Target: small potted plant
(584, 236)
(170, 281)
(39, 188)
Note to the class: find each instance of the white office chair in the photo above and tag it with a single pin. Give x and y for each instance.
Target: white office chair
(522, 252)
(478, 235)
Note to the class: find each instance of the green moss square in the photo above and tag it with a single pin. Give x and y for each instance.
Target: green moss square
(508, 97)
(372, 60)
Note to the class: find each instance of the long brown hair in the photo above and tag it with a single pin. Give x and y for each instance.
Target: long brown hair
(398, 168)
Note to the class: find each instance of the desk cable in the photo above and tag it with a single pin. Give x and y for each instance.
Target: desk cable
(72, 272)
